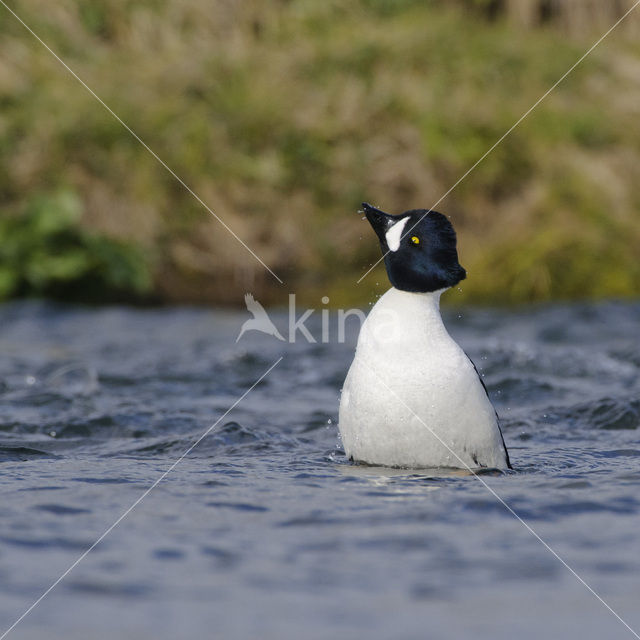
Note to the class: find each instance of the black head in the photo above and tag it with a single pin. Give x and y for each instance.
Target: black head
(419, 248)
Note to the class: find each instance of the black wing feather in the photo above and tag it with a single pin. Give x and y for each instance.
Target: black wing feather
(484, 386)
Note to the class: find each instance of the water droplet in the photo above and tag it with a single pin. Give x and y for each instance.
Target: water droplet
(329, 421)
(30, 380)
(53, 434)
(325, 299)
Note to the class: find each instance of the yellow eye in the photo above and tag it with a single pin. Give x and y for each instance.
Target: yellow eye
(415, 239)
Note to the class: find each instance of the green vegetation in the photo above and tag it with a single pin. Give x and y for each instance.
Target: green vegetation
(44, 251)
(283, 117)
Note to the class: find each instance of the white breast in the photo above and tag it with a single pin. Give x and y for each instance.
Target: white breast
(412, 398)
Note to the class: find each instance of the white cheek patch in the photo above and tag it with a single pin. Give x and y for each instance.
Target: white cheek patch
(394, 234)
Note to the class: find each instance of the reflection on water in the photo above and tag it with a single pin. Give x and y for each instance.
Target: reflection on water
(376, 472)
(264, 529)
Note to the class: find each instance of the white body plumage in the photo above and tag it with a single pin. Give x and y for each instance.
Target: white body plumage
(412, 398)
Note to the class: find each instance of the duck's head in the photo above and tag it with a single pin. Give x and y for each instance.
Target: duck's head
(419, 248)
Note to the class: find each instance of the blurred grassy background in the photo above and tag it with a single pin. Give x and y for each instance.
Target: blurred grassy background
(283, 116)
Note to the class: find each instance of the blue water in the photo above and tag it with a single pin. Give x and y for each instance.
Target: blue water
(264, 530)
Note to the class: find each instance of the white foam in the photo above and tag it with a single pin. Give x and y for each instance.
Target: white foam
(394, 234)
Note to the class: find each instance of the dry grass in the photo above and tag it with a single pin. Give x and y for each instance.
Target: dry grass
(284, 116)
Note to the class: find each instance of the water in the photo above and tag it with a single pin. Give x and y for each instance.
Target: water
(264, 530)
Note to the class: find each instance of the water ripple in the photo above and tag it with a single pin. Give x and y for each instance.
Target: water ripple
(266, 515)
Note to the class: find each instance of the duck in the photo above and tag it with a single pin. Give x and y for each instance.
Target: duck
(412, 398)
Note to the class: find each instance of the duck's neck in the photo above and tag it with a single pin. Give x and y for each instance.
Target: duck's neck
(403, 321)
(428, 302)
(423, 309)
